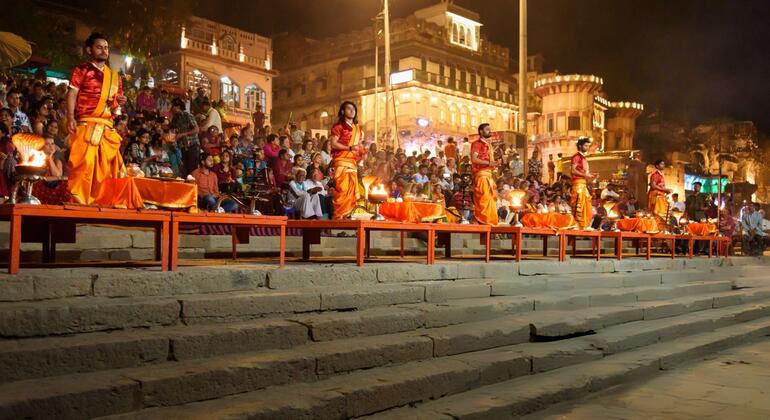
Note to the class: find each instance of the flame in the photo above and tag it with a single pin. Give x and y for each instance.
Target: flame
(378, 190)
(612, 214)
(516, 198)
(29, 147)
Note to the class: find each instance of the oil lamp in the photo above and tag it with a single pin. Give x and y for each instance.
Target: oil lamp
(516, 199)
(612, 215)
(31, 167)
(378, 195)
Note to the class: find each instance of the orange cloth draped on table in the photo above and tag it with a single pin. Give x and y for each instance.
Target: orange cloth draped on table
(485, 197)
(638, 224)
(553, 221)
(95, 154)
(169, 194)
(580, 200)
(412, 211)
(702, 229)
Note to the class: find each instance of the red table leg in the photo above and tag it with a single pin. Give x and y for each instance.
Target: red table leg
(690, 244)
(711, 245)
(431, 245)
(234, 235)
(402, 244)
(164, 246)
(14, 244)
(174, 246)
(487, 241)
(619, 247)
(673, 248)
(282, 246)
(649, 245)
(597, 242)
(360, 245)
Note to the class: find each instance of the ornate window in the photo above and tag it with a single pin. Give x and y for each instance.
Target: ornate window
(253, 96)
(196, 79)
(229, 92)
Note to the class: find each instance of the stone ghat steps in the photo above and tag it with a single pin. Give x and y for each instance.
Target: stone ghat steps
(49, 284)
(35, 357)
(356, 359)
(91, 314)
(50, 356)
(521, 396)
(463, 381)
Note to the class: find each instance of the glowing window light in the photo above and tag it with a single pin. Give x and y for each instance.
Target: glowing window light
(214, 48)
(433, 100)
(183, 40)
(423, 122)
(401, 77)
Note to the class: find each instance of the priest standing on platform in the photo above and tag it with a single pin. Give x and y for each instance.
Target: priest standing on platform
(94, 98)
(657, 204)
(484, 186)
(581, 197)
(345, 143)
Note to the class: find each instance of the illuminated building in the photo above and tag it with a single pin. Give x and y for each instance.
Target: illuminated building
(446, 77)
(575, 105)
(229, 64)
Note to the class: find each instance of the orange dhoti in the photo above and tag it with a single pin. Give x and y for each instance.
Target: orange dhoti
(345, 186)
(581, 204)
(485, 197)
(95, 160)
(657, 205)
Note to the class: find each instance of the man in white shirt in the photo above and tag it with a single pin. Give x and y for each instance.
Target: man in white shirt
(609, 193)
(753, 234)
(465, 149)
(211, 117)
(675, 204)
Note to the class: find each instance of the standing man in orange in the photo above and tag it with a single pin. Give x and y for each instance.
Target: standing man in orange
(94, 98)
(581, 175)
(345, 141)
(657, 204)
(483, 165)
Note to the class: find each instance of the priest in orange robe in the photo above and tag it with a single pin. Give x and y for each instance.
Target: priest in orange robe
(657, 204)
(97, 174)
(581, 196)
(345, 141)
(483, 165)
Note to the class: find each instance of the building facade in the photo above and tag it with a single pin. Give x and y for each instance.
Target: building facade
(231, 65)
(574, 106)
(446, 78)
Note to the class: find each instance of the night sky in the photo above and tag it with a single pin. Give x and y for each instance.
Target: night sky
(690, 59)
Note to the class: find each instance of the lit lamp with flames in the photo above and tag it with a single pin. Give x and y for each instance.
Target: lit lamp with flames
(378, 195)
(31, 167)
(516, 200)
(612, 215)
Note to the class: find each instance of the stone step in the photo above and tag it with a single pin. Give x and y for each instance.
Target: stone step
(525, 395)
(38, 357)
(454, 377)
(177, 383)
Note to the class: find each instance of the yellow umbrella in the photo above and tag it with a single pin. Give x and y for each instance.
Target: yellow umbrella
(14, 50)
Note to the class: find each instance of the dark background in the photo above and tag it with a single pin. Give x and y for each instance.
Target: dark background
(690, 59)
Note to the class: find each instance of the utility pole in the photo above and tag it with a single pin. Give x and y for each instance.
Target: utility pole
(386, 28)
(523, 97)
(376, 79)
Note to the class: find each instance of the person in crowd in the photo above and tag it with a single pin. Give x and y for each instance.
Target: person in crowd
(227, 174)
(186, 129)
(145, 102)
(21, 121)
(752, 232)
(282, 168)
(308, 196)
(210, 116)
(208, 187)
(535, 166)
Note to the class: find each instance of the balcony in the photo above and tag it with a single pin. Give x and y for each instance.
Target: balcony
(456, 85)
(205, 48)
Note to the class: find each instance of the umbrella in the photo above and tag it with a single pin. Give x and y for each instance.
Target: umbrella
(14, 50)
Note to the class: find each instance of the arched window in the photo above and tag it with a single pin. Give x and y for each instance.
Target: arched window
(468, 37)
(227, 42)
(229, 92)
(455, 32)
(253, 96)
(196, 79)
(461, 38)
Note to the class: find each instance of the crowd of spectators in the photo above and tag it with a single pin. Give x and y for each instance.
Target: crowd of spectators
(189, 136)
